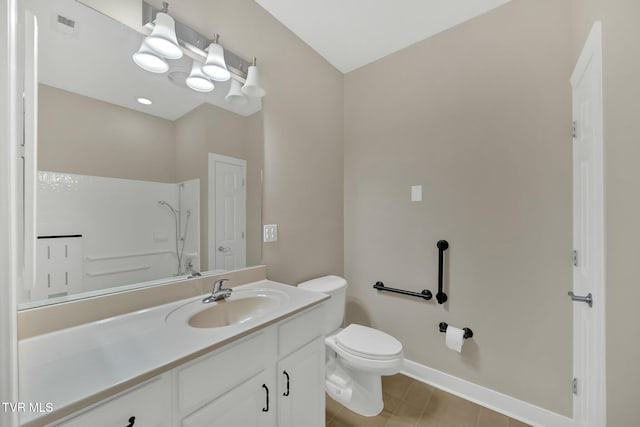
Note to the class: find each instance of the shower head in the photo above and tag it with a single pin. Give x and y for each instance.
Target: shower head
(163, 203)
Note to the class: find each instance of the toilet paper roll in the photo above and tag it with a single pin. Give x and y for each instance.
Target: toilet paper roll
(454, 338)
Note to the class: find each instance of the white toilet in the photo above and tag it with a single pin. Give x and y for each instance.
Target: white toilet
(357, 356)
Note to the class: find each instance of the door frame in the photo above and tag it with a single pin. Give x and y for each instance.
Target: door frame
(592, 55)
(211, 218)
(10, 69)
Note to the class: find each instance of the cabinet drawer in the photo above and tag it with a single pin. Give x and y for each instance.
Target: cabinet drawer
(207, 378)
(150, 404)
(302, 328)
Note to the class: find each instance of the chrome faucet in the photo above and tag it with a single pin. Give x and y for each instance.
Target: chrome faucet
(219, 292)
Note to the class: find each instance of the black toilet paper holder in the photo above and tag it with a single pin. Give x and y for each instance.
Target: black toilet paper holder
(468, 333)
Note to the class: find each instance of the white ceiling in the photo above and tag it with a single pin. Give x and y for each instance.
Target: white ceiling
(353, 33)
(95, 60)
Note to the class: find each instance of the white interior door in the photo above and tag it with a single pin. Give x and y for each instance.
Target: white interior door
(588, 236)
(227, 212)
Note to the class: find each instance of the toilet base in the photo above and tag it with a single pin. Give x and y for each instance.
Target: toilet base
(358, 391)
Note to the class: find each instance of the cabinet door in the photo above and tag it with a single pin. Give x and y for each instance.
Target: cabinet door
(145, 406)
(250, 404)
(301, 387)
(205, 379)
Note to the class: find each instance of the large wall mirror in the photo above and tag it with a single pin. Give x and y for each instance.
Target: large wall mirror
(134, 194)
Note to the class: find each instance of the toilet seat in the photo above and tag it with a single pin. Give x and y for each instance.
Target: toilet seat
(388, 366)
(368, 343)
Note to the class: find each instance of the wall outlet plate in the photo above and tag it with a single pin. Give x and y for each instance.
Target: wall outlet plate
(270, 233)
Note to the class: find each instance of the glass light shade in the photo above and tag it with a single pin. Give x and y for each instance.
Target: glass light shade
(163, 37)
(147, 59)
(197, 80)
(215, 66)
(252, 86)
(235, 95)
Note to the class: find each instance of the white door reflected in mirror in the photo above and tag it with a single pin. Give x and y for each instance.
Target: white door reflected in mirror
(227, 218)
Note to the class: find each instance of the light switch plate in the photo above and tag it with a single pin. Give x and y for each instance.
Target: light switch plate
(270, 233)
(416, 193)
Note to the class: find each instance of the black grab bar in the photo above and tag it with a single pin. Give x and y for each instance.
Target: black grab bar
(426, 294)
(442, 245)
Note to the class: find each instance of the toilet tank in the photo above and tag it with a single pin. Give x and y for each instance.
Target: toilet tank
(336, 287)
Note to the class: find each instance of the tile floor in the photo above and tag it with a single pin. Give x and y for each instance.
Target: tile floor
(410, 403)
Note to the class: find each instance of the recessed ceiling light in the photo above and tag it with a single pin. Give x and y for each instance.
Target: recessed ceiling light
(145, 101)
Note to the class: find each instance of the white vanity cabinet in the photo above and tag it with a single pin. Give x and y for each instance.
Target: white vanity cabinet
(273, 377)
(147, 405)
(230, 386)
(246, 382)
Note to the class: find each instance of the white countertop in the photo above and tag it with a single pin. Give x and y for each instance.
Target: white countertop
(68, 366)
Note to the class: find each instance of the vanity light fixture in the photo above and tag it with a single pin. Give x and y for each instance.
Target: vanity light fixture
(252, 85)
(215, 66)
(163, 37)
(144, 101)
(147, 59)
(170, 39)
(235, 95)
(197, 80)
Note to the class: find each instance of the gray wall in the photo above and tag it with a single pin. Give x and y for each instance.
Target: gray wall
(621, 62)
(479, 116)
(303, 141)
(209, 129)
(303, 130)
(82, 135)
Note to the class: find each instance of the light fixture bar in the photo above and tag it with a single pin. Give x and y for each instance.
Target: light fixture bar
(197, 43)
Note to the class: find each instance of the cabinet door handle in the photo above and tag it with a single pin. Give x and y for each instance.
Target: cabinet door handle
(266, 409)
(132, 421)
(286, 393)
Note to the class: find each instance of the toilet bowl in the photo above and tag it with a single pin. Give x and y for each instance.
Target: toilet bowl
(357, 356)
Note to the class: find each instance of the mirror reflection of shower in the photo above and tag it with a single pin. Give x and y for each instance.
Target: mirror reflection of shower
(180, 238)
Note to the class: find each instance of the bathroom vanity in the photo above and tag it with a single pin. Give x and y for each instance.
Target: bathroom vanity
(259, 361)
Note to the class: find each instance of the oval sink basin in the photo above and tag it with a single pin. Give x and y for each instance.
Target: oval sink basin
(232, 311)
(244, 305)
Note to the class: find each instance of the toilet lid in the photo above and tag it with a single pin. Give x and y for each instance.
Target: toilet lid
(368, 342)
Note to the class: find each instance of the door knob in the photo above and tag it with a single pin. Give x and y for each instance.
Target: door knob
(224, 249)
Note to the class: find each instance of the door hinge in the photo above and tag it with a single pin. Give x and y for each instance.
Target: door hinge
(574, 386)
(574, 258)
(574, 129)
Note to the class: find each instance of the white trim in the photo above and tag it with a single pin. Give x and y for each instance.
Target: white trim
(9, 120)
(213, 158)
(592, 55)
(496, 401)
(30, 127)
(592, 47)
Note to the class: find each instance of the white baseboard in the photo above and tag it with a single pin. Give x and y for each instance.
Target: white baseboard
(507, 405)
